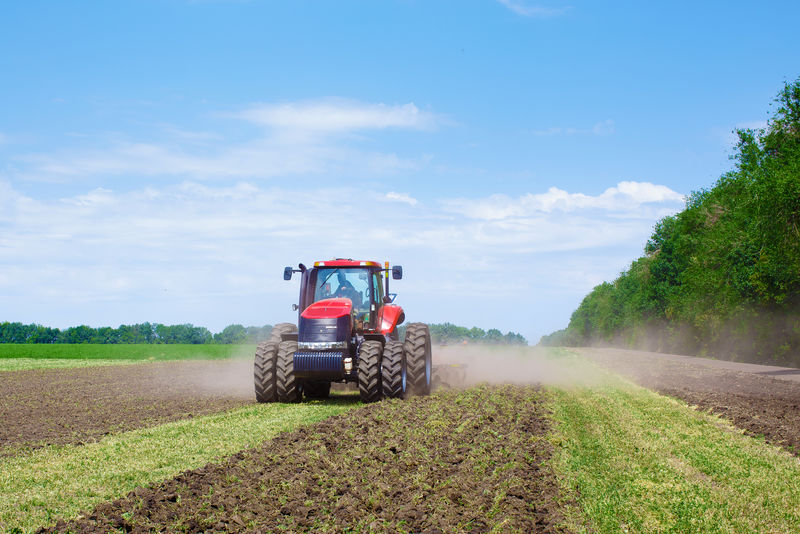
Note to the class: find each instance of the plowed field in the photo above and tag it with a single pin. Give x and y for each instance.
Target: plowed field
(468, 461)
(60, 406)
(749, 396)
(473, 460)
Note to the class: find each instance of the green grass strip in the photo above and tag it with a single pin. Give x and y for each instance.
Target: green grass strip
(148, 352)
(636, 461)
(60, 482)
(21, 364)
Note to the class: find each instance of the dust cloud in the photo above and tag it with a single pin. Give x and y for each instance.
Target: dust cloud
(468, 365)
(231, 378)
(749, 336)
(455, 366)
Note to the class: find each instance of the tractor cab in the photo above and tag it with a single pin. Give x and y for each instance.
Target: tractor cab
(361, 285)
(365, 284)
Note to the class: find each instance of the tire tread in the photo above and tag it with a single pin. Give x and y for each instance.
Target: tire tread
(392, 372)
(370, 388)
(287, 386)
(265, 372)
(417, 347)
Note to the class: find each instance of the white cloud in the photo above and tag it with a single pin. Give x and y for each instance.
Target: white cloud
(212, 254)
(337, 115)
(260, 158)
(180, 228)
(401, 197)
(96, 197)
(521, 8)
(300, 138)
(631, 199)
(601, 128)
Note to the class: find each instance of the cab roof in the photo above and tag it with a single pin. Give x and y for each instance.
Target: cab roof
(341, 262)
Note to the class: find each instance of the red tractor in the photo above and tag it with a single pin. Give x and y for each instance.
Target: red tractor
(346, 332)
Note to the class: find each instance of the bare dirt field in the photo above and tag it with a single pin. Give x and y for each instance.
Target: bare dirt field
(80, 405)
(470, 461)
(763, 400)
(60, 406)
(458, 461)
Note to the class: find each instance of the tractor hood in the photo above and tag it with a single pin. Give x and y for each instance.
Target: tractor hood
(326, 321)
(328, 309)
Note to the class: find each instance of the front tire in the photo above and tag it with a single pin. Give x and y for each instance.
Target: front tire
(287, 386)
(417, 347)
(369, 371)
(265, 372)
(394, 370)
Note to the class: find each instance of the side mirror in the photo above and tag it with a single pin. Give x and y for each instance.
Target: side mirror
(397, 272)
(287, 273)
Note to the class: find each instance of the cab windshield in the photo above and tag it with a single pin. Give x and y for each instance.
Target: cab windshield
(362, 286)
(351, 283)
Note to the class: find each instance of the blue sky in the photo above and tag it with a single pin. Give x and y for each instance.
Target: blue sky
(163, 160)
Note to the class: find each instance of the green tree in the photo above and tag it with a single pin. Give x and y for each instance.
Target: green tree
(234, 333)
(722, 276)
(77, 334)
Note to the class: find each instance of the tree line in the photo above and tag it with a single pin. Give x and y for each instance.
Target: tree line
(722, 277)
(447, 333)
(136, 333)
(195, 335)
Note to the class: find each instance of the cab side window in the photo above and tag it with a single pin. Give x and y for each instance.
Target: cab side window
(377, 288)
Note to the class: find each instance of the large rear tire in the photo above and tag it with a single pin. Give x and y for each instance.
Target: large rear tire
(287, 385)
(280, 329)
(265, 372)
(417, 347)
(394, 370)
(370, 388)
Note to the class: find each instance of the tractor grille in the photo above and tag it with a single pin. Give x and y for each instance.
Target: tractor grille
(306, 361)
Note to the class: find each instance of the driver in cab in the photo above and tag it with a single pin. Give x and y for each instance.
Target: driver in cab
(346, 290)
(360, 311)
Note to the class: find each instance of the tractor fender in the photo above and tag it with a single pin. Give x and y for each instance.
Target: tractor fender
(390, 317)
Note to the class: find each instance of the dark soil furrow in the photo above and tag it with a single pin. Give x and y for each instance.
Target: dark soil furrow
(759, 404)
(470, 461)
(60, 406)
